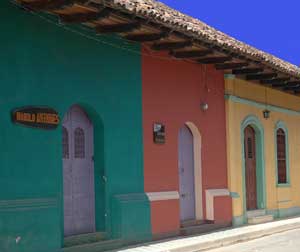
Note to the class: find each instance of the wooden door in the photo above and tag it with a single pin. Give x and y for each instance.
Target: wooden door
(78, 165)
(250, 167)
(186, 174)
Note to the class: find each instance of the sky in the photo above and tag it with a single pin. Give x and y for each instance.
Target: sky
(270, 25)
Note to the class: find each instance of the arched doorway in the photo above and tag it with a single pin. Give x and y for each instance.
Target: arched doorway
(78, 173)
(189, 169)
(254, 189)
(250, 167)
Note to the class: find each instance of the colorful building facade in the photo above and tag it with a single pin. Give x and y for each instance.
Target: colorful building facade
(175, 101)
(47, 66)
(275, 190)
(130, 137)
(99, 175)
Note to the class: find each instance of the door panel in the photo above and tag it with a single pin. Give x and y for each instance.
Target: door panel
(250, 168)
(186, 174)
(79, 192)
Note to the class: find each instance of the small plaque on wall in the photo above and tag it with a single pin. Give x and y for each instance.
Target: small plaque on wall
(36, 117)
(159, 134)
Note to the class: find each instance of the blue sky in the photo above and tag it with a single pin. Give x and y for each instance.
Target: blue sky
(270, 25)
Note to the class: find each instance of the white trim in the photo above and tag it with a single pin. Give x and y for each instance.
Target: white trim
(197, 170)
(157, 196)
(210, 195)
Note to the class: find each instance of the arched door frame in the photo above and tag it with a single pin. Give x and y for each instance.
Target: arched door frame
(102, 222)
(254, 122)
(281, 125)
(197, 170)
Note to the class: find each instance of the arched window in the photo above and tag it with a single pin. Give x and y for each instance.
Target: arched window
(79, 147)
(282, 176)
(65, 143)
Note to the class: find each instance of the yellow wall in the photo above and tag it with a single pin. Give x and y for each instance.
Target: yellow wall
(237, 111)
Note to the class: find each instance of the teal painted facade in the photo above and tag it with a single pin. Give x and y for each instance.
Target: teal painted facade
(42, 64)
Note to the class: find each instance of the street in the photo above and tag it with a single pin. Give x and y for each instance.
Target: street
(283, 242)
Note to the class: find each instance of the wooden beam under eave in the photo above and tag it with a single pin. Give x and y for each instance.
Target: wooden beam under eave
(262, 76)
(229, 66)
(279, 85)
(191, 54)
(48, 5)
(292, 88)
(83, 17)
(275, 81)
(287, 85)
(171, 45)
(293, 83)
(117, 28)
(213, 60)
(145, 37)
(247, 71)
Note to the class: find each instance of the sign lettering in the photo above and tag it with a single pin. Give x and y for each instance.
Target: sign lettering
(37, 117)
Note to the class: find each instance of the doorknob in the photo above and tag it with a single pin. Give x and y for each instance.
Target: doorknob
(104, 178)
(182, 195)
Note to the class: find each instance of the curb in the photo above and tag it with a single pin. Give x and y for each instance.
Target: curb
(238, 238)
(217, 239)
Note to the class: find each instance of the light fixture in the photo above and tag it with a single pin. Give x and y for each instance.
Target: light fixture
(266, 114)
(204, 106)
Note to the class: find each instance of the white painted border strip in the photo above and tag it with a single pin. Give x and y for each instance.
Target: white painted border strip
(157, 196)
(210, 195)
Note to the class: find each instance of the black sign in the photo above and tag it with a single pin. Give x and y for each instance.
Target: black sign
(159, 133)
(36, 117)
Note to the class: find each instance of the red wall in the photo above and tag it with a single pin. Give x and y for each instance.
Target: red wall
(172, 93)
(223, 209)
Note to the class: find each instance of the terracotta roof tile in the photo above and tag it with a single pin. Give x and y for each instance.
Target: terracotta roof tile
(194, 28)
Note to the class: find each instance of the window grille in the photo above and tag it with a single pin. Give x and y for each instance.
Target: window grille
(281, 157)
(79, 146)
(250, 148)
(65, 143)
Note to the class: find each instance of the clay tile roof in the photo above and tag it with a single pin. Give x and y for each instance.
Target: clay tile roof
(177, 21)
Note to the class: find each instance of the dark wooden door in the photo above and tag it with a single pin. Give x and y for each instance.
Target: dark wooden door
(250, 166)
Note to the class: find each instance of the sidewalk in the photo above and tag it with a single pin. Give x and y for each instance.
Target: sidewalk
(217, 239)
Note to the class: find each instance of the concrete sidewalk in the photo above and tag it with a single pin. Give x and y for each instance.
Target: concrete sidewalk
(217, 239)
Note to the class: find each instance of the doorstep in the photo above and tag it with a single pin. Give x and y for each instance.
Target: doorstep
(217, 239)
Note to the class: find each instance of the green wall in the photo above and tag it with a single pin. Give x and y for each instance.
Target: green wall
(42, 64)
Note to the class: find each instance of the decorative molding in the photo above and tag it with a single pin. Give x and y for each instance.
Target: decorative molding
(234, 195)
(254, 122)
(210, 195)
(260, 105)
(288, 212)
(238, 221)
(131, 197)
(27, 204)
(282, 125)
(158, 196)
(277, 213)
(229, 76)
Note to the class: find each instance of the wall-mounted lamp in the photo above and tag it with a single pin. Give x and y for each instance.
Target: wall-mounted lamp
(266, 114)
(204, 106)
